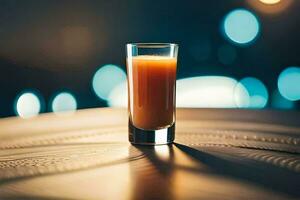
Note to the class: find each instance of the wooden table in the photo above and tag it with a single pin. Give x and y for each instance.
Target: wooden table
(218, 154)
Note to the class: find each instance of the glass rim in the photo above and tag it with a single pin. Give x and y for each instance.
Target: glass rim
(151, 45)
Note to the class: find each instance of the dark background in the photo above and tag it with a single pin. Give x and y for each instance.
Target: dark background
(54, 45)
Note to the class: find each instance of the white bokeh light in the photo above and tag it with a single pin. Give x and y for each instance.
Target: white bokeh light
(210, 92)
(28, 105)
(64, 102)
(106, 78)
(270, 1)
(118, 97)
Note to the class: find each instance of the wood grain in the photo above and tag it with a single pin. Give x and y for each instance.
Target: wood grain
(218, 154)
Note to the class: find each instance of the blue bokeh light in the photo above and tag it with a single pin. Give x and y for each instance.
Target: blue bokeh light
(257, 91)
(278, 101)
(63, 102)
(241, 26)
(106, 78)
(289, 83)
(27, 105)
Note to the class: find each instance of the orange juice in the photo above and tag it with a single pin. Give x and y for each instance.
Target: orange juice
(152, 81)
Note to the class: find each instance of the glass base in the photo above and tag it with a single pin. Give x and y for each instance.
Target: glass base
(151, 137)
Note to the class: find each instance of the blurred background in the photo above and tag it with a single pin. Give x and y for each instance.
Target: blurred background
(64, 55)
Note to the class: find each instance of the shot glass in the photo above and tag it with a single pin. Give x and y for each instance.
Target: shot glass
(151, 73)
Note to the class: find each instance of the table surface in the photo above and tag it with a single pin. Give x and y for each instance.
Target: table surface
(217, 154)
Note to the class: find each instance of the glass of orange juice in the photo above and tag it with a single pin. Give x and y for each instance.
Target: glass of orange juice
(151, 73)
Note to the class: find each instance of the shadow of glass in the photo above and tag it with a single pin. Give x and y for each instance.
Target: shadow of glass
(258, 172)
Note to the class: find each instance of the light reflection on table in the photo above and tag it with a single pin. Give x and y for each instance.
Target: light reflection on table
(218, 154)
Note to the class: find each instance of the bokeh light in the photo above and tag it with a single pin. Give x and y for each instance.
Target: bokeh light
(203, 91)
(280, 102)
(270, 1)
(118, 96)
(289, 83)
(210, 91)
(241, 26)
(106, 78)
(64, 102)
(28, 105)
(270, 6)
(226, 54)
(257, 91)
